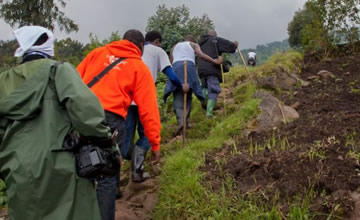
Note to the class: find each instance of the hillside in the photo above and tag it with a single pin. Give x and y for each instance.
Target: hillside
(307, 168)
(235, 167)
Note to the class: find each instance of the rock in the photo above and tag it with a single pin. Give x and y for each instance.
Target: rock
(313, 78)
(273, 113)
(325, 74)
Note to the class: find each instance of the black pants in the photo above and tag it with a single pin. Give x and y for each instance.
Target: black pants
(106, 187)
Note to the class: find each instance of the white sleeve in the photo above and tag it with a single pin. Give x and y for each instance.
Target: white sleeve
(164, 60)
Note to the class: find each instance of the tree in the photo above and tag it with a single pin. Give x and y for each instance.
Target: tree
(69, 50)
(295, 27)
(45, 13)
(7, 49)
(95, 42)
(175, 23)
(322, 24)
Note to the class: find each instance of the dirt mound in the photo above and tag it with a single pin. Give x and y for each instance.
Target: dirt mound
(315, 158)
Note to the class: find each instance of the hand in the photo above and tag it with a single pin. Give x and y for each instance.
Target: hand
(155, 157)
(185, 87)
(219, 60)
(236, 43)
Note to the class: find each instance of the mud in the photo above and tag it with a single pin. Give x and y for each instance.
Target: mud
(314, 158)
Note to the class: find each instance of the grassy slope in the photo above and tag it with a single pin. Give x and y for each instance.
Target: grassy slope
(183, 194)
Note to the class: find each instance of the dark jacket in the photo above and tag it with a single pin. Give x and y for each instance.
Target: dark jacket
(213, 47)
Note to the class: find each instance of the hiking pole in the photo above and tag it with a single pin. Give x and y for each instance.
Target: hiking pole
(223, 79)
(243, 60)
(185, 99)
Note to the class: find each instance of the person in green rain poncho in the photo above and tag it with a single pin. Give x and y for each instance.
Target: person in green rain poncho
(38, 108)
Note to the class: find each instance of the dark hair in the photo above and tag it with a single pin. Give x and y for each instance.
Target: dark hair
(134, 36)
(151, 36)
(189, 38)
(42, 39)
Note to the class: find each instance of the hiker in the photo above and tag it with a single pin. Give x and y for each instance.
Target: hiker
(129, 80)
(186, 51)
(158, 61)
(251, 58)
(210, 74)
(39, 104)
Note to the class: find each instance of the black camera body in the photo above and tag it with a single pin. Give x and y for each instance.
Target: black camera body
(91, 160)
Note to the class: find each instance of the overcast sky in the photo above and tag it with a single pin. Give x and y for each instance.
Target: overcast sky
(251, 22)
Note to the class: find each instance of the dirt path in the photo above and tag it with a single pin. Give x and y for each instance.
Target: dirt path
(138, 200)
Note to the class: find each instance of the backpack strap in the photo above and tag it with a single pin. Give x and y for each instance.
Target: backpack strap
(104, 72)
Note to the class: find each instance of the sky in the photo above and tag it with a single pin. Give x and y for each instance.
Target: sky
(250, 22)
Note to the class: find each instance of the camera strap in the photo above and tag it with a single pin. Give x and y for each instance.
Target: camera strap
(104, 72)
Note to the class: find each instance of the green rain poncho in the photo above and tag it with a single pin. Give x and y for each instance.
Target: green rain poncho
(37, 110)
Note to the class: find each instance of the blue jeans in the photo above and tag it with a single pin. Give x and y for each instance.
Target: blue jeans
(132, 121)
(106, 188)
(179, 106)
(106, 195)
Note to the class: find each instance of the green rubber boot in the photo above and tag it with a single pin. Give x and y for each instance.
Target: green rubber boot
(210, 107)
(205, 94)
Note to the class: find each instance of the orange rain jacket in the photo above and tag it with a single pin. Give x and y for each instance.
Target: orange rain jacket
(129, 80)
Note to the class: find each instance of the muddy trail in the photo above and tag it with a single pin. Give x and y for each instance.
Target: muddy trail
(137, 200)
(314, 159)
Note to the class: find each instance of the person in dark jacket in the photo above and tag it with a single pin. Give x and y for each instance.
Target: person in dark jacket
(210, 73)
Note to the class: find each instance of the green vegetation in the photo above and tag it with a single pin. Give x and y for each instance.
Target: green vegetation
(44, 13)
(175, 24)
(3, 197)
(184, 193)
(322, 25)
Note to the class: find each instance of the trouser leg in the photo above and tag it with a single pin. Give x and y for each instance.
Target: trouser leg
(214, 90)
(106, 187)
(106, 195)
(130, 123)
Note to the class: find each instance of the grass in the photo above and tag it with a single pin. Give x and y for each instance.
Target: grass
(3, 197)
(183, 192)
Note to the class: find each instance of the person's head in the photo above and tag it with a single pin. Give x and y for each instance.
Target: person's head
(154, 37)
(189, 38)
(135, 37)
(212, 33)
(34, 39)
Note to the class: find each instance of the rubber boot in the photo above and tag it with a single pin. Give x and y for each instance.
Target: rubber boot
(137, 164)
(205, 94)
(210, 107)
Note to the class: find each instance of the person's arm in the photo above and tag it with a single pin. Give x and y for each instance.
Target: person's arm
(144, 95)
(226, 46)
(169, 72)
(202, 55)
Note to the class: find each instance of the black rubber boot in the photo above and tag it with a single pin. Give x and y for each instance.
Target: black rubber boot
(137, 164)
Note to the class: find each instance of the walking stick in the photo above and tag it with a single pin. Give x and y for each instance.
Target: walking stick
(185, 99)
(243, 60)
(223, 79)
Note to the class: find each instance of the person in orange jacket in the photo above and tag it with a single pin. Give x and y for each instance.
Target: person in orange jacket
(130, 80)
